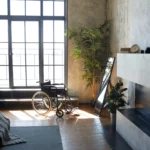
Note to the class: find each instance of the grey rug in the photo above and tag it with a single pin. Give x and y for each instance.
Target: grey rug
(37, 138)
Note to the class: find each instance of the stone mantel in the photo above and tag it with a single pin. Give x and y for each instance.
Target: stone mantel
(134, 68)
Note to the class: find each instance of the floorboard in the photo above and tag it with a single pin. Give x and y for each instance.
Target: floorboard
(80, 130)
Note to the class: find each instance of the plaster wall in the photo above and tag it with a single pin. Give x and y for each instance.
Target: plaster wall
(140, 23)
(129, 25)
(119, 17)
(82, 13)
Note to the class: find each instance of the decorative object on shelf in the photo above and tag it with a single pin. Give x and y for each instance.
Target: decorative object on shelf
(114, 99)
(147, 50)
(91, 47)
(135, 49)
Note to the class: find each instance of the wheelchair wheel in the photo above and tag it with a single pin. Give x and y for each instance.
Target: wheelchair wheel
(41, 103)
(59, 113)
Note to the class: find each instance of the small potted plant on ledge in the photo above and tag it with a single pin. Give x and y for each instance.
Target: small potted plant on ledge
(114, 100)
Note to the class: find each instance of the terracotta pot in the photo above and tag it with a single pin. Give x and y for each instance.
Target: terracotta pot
(113, 118)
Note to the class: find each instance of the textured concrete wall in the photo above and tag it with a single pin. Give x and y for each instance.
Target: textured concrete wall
(82, 13)
(129, 25)
(140, 23)
(118, 15)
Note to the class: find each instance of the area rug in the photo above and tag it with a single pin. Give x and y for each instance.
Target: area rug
(37, 138)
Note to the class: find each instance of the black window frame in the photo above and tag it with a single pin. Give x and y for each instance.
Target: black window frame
(40, 19)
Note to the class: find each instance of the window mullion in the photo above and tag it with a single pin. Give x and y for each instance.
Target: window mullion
(8, 6)
(41, 74)
(10, 55)
(25, 52)
(53, 47)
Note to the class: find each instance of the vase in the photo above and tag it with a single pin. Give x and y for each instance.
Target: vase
(113, 119)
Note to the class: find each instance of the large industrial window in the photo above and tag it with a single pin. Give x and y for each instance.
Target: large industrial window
(31, 42)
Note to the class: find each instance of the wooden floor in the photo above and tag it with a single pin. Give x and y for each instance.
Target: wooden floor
(80, 130)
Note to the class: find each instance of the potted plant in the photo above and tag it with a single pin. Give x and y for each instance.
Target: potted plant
(91, 46)
(115, 99)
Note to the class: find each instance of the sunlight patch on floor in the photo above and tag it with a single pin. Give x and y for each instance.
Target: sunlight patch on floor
(40, 117)
(21, 115)
(28, 115)
(80, 114)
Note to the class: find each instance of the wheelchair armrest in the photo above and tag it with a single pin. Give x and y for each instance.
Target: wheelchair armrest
(59, 85)
(50, 86)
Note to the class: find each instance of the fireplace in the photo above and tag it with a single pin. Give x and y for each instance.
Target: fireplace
(142, 96)
(133, 123)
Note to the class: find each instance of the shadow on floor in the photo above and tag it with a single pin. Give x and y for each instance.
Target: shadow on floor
(115, 141)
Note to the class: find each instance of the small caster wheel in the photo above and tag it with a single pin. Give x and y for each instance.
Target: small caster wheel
(59, 113)
(68, 109)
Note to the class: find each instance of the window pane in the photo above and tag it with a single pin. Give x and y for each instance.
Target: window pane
(32, 31)
(33, 8)
(48, 73)
(4, 83)
(32, 52)
(3, 7)
(58, 8)
(19, 77)
(3, 31)
(18, 51)
(4, 76)
(48, 8)
(48, 54)
(18, 31)
(3, 59)
(59, 74)
(48, 31)
(59, 54)
(17, 7)
(59, 31)
(32, 76)
(3, 53)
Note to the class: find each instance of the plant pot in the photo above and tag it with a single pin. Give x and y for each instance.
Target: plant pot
(92, 103)
(113, 119)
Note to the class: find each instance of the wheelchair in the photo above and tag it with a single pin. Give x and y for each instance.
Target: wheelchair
(52, 97)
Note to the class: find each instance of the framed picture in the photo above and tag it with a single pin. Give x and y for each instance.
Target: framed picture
(104, 85)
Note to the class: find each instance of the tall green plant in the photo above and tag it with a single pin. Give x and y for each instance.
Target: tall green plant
(91, 46)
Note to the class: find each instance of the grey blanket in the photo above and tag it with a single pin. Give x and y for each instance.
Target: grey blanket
(5, 136)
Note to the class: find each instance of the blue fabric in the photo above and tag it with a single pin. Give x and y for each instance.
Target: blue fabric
(37, 138)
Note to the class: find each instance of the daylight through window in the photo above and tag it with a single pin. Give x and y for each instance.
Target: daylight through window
(31, 42)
